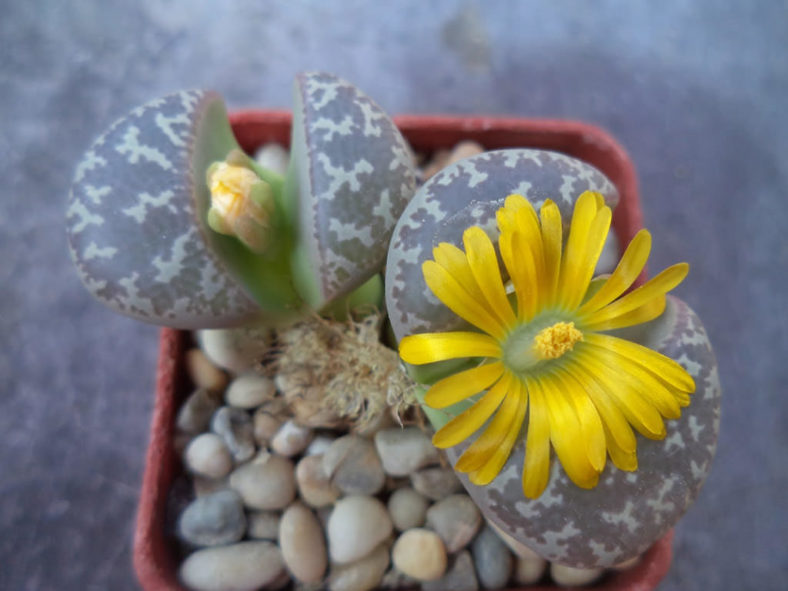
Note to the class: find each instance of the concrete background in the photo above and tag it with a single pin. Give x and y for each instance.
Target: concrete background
(695, 91)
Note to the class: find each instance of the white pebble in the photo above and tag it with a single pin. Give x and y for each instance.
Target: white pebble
(319, 445)
(569, 576)
(291, 439)
(265, 483)
(273, 157)
(207, 455)
(302, 543)
(236, 567)
(235, 349)
(265, 426)
(407, 508)
(356, 525)
(529, 570)
(403, 451)
(361, 575)
(314, 485)
(203, 373)
(420, 553)
(249, 391)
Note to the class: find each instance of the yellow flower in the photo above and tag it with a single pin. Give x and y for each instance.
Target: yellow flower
(546, 363)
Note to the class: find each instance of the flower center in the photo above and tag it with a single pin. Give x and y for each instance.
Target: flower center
(530, 346)
(555, 340)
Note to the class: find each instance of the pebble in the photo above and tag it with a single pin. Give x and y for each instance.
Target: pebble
(403, 451)
(196, 411)
(249, 391)
(492, 559)
(266, 483)
(436, 483)
(273, 157)
(207, 455)
(291, 439)
(314, 486)
(356, 525)
(237, 350)
(464, 149)
(361, 575)
(568, 576)
(420, 554)
(395, 579)
(265, 425)
(263, 525)
(237, 567)
(234, 426)
(319, 445)
(203, 373)
(407, 508)
(213, 519)
(528, 571)
(460, 576)
(437, 162)
(353, 466)
(456, 519)
(302, 543)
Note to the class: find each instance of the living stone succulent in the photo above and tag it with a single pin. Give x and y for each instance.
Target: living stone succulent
(171, 223)
(564, 366)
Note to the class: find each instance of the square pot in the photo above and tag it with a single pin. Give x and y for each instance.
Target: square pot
(154, 551)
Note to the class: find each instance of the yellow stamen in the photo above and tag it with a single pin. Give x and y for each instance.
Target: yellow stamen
(555, 340)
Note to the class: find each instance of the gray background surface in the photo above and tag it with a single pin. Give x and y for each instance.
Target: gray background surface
(695, 91)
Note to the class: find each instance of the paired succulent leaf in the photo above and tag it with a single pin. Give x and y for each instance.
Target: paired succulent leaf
(171, 223)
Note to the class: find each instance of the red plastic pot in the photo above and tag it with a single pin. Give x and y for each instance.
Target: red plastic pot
(154, 552)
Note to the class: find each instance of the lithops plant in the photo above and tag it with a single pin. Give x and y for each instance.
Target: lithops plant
(491, 294)
(171, 223)
(356, 170)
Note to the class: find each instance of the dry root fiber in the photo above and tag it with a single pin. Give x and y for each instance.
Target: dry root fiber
(338, 372)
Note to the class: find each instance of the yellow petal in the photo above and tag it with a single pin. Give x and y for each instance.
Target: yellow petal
(536, 467)
(456, 264)
(552, 242)
(466, 423)
(649, 311)
(494, 435)
(566, 435)
(524, 269)
(448, 290)
(424, 348)
(492, 467)
(613, 419)
(640, 414)
(641, 381)
(459, 386)
(595, 241)
(628, 269)
(664, 367)
(484, 266)
(654, 288)
(622, 459)
(583, 215)
(591, 429)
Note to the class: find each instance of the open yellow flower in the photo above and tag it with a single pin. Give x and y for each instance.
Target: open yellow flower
(545, 363)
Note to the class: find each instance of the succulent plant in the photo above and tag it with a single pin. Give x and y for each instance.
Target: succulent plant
(564, 365)
(171, 223)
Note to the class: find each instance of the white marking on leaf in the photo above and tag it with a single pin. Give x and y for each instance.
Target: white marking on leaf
(371, 116)
(96, 193)
(695, 427)
(331, 128)
(86, 218)
(166, 125)
(348, 232)
(313, 86)
(91, 161)
(131, 147)
(172, 267)
(93, 251)
(340, 176)
(139, 211)
(624, 517)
